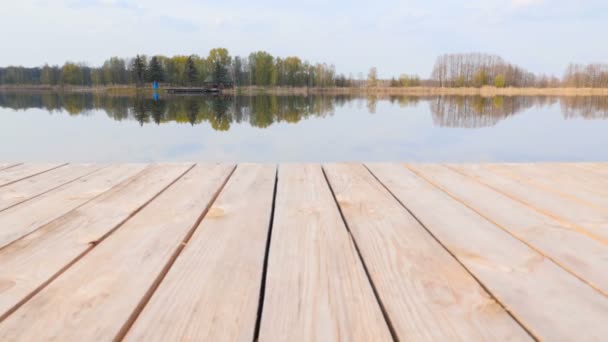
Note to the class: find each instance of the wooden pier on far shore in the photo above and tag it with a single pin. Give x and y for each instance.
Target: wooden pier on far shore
(192, 90)
(294, 252)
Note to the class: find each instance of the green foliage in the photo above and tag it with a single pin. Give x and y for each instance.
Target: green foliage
(219, 61)
(480, 78)
(409, 81)
(499, 81)
(372, 77)
(71, 74)
(115, 71)
(50, 75)
(259, 69)
(261, 64)
(191, 71)
(294, 72)
(478, 70)
(138, 70)
(155, 71)
(262, 69)
(460, 82)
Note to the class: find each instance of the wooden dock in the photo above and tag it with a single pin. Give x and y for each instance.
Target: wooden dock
(192, 90)
(352, 252)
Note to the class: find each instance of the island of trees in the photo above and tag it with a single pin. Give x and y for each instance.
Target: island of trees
(261, 69)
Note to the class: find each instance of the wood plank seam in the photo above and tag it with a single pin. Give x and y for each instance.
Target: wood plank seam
(33, 175)
(123, 183)
(92, 245)
(51, 189)
(562, 221)
(260, 312)
(10, 166)
(163, 273)
(385, 314)
(546, 188)
(485, 288)
(456, 198)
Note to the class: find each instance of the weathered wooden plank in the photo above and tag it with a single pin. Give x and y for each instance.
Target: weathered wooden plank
(583, 218)
(32, 187)
(316, 286)
(426, 293)
(564, 181)
(550, 302)
(582, 256)
(35, 259)
(94, 298)
(593, 168)
(5, 166)
(212, 291)
(24, 171)
(21, 220)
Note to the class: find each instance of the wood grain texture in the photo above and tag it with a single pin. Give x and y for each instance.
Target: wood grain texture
(600, 169)
(501, 249)
(23, 171)
(212, 291)
(29, 188)
(550, 302)
(5, 166)
(23, 219)
(95, 297)
(316, 286)
(583, 218)
(427, 294)
(582, 256)
(32, 261)
(564, 181)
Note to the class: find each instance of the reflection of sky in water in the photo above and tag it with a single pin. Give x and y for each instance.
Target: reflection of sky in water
(393, 133)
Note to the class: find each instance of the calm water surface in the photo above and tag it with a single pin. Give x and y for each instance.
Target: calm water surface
(99, 128)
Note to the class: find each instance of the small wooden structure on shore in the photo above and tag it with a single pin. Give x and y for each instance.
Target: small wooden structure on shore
(207, 87)
(193, 90)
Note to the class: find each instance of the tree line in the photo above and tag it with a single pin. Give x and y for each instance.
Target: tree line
(263, 69)
(586, 76)
(218, 67)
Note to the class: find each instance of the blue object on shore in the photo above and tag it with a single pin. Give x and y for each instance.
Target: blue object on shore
(155, 85)
(155, 97)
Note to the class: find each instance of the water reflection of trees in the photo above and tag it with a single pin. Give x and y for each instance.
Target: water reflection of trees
(478, 111)
(264, 110)
(219, 111)
(588, 107)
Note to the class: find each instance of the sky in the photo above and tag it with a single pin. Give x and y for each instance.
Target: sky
(396, 36)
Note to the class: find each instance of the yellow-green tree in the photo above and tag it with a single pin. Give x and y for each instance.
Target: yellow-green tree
(71, 74)
(372, 77)
(219, 61)
(480, 78)
(499, 81)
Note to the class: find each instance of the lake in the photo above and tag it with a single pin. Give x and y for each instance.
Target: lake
(40, 126)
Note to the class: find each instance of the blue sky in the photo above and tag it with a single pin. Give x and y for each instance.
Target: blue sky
(396, 36)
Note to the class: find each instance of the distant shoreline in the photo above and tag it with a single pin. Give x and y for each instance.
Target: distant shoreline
(424, 91)
(364, 91)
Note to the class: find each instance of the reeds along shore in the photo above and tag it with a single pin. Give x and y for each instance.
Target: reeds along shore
(422, 91)
(414, 91)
